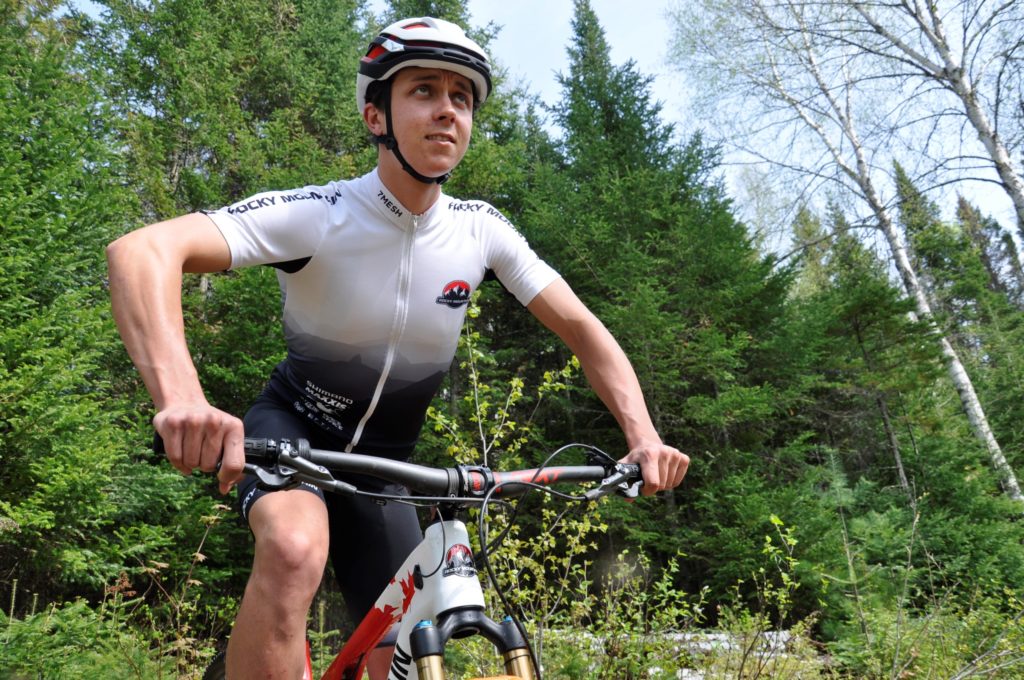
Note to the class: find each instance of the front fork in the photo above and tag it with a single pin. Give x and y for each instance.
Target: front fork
(427, 642)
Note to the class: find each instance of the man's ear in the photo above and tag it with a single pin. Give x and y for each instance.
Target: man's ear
(374, 119)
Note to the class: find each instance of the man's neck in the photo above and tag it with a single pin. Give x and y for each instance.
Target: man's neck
(416, 196)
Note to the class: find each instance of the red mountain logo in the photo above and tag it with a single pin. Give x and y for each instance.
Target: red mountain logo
(455, 294)
(459, 561)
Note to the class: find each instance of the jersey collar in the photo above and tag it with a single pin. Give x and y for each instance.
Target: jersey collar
(396, 213)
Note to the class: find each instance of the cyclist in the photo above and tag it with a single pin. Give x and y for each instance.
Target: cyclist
(375, 274)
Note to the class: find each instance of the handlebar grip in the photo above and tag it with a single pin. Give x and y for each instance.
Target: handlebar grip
(257, 449)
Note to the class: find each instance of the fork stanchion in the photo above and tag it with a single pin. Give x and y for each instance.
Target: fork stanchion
(427, 651)
(518, 662)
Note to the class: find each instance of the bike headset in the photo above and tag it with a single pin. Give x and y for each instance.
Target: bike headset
(428, 43)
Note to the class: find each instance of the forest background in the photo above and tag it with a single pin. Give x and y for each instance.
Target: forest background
(852, 405)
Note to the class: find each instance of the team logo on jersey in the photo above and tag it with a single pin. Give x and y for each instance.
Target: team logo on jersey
(455, 294)
(459, 561)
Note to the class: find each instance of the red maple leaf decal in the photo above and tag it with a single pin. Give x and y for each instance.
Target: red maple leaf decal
(408, 591)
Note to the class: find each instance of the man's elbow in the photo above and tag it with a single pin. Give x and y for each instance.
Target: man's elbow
(115, 254)
(585, 331)
(129, 252)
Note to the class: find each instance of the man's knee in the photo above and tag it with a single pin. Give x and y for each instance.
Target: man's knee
(293, 551)
(291, 542)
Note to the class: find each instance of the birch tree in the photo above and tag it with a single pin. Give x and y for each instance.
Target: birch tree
(972, 49)
(957, 64)
(789, 94)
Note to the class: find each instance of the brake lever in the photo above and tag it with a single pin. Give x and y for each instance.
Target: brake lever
(310, 473)
(630, 491)
(298, 471)
(273, 480)
(617, 482)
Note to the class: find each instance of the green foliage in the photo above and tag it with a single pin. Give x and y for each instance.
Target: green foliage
(803, 392)
(235, 335)
(220, 100)
(757, 645)
(638, 613)
(121, 638)
(450, 10)
(979, 638)
(60, 433)
(611, 124)
(74, 640)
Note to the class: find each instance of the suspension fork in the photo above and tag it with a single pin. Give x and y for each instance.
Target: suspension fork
(427, 642)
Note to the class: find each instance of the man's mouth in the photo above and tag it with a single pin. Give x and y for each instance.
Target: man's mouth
(441, 138)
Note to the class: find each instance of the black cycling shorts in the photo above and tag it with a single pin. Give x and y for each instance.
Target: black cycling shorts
(369, 541)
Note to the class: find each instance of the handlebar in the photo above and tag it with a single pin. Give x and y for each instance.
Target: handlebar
(271, 459)
(281, 463)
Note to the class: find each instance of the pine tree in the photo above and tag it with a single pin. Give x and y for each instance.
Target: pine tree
(449, 10)
(996, 249)
(219, 100)
(945, 258)
(814, 243)
(63, 494)
(949, 281)
(611, 123)
(639, 226)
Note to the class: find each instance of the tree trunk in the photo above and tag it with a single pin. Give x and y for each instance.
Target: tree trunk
(890, 432)
(957, 372)
(778, 55)
(861, 175)
(952, 74)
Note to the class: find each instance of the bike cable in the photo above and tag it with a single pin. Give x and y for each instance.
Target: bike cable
(485, 547)
(515, 510)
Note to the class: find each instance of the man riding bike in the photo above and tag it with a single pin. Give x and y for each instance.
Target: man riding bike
(376, 273)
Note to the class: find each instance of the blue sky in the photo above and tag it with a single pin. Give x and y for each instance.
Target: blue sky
(536, 33)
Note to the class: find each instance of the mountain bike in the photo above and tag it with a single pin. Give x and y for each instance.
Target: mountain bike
(436, 595)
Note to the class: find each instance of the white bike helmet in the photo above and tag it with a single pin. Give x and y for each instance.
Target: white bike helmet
(428, 43)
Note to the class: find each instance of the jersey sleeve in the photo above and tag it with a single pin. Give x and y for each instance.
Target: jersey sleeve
(276, 226)
(510, 257)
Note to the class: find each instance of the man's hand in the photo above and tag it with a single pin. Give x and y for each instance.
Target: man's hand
(200, 436)
(663, 467)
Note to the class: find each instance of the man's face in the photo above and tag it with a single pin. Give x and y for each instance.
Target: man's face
(432, 112)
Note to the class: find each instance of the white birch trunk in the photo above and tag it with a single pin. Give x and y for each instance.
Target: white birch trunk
(957, 373)
(772, 48)
(953, 76)
(860, 173)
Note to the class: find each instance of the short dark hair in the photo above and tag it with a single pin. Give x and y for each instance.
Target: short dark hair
(376, 92)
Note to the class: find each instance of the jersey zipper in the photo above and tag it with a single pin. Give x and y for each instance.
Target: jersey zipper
(397, 327)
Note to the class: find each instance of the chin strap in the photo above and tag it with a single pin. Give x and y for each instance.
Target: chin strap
(391, 144)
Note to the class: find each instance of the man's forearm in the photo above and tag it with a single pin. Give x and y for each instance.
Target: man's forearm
(613, 379)
(145, 292)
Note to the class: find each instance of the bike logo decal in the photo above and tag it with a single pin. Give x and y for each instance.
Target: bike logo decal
(455, 294)
(400, 663)
(459, 561)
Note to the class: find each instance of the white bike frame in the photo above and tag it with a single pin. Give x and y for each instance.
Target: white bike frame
(438, 577)
(436, 594)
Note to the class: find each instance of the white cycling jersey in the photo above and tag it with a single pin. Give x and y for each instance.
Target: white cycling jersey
(374, 297)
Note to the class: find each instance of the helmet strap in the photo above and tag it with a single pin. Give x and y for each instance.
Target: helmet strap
(391, 144)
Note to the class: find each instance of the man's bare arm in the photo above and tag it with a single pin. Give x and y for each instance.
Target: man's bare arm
(613, 379)
(146, 268)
